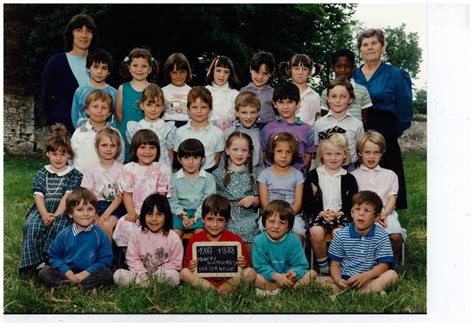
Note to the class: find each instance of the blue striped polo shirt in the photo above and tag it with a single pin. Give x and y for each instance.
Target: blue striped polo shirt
(359, 253)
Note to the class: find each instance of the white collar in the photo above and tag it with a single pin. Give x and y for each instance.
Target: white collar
(158, 123)
(61, 173)
(180, 173)
(347, 114)
(341, 171)
(364, 167)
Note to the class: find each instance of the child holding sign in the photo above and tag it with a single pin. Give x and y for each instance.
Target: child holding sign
(216, 215)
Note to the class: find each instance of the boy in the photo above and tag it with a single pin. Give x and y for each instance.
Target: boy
(277, 255)
(262, 68)
(99, 65)
(80, 253)
(286, 98)
(343, 65)
(98, 104)
(199, 107)
(361, 252)
(189, 187)
(216, 215)
(247, 110)
(384, 182)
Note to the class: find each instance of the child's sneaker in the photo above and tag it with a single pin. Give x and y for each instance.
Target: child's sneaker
(260, 292)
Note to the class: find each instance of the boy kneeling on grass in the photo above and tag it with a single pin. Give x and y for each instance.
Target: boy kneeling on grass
(361, 253)
(216, 215)
(81, 253)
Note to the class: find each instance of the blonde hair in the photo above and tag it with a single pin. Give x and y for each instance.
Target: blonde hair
(372, 136)
(337, 140)
(99, 95)
(113, 135)
(247, 98)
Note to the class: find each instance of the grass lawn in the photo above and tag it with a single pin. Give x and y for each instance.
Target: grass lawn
(23, 295)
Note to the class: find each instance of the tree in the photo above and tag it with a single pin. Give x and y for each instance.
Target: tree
(420, 104)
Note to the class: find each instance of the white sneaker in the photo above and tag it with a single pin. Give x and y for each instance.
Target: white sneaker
(260, 292)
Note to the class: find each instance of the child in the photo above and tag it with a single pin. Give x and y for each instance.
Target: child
(101, 178)
(370, 176)
(143, 176)
(236, 182)
(327, 195)
(81, 253)
(300, 68)
(153, 103)
(216, 215)
(99, 65)
(138, 65)
(51, 185)
(338, 120)
(189, 187)
(286, 98)
(277, 254)
(247, 110)
(98, 106)
(343, 65)
(360, 253)
(177, 72)
(281, 180)
(154, 250)
(222, 81)
(262, 68)
(199, 108)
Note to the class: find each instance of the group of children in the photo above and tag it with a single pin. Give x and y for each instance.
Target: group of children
(148, 165)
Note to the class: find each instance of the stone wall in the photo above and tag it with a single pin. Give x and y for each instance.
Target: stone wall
(18, 124)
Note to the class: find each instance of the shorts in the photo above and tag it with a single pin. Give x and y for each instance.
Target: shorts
(103, 205)
(340, 221)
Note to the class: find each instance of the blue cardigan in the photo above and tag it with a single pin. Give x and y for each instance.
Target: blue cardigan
(58, 85)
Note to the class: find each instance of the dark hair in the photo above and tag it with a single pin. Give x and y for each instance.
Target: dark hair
(285, 90)
(200, 92)
(80, 194)
(144, 136)
(377, 32)
(369, 197)
(181, 62)
(282, 209)
(295, 61)
(218, 205)
(225, 62)
(77, 22)
(99, 56)
(60, 138)
(153, 91)
(231, 137)
(343, 53)
(283, 137)
(191, 148)
(342, 82)
(139, 53)
(162, 205)
(263, 58)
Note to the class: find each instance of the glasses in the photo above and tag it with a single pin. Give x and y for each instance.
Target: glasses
(365, 212)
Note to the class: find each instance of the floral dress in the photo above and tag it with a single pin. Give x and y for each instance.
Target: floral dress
(243, 220)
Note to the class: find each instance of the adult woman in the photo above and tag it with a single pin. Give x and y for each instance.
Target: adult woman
(390, 90)
(66, 71)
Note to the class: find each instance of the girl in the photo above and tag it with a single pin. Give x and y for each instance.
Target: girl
(300, 68)
(138, 65)
(222, 81)
(327, 195)
(51, 185)
(282, 181)
(153, 103)
(138, 179)
(101, 177)
(177, 72)
(154, 250)
(236, 182)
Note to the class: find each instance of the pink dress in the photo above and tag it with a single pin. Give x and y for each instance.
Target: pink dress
(140, 181)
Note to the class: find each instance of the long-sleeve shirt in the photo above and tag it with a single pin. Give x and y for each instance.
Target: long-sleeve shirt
(87, 250)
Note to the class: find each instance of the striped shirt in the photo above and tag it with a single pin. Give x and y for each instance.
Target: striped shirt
(358, 253)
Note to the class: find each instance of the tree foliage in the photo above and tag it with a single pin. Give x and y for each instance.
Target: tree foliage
(420, 104)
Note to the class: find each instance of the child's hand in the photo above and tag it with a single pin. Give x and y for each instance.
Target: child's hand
(338, 214)
(291, 275)
(103, 220)
(383, 220)
(247, 202)
(193, 265)
(79, 277)
(241, 261)
(188, 222)
(358, 281)
(341, 283)
(47, 219)
(282, 280)
(328, 215)
(132, 218)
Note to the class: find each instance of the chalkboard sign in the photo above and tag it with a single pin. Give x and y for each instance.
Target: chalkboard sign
(217, 259)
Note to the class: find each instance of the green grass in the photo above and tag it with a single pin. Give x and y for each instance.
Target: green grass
(24, 295)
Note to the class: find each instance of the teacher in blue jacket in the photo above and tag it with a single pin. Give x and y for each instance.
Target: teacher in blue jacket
(65, 72)
(390, 90)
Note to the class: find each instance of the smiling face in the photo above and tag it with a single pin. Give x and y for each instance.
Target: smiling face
(339, 100)
(371, 49)
(82, 37)
(199, 111)
(286, 109)
(261, 77)
(83, 214)
(191, 164)
(238, 152)
(343, 68)
(364, 217)
(247, 115)
(139, 68)
(98, 111)
(276, 227)
(155, 221)
(58, 159)
(146, 154)
(221, 75)
(333, 157)
(300, 74)
(214, 226)
(371, 154)
(152, 108)
(178, 76)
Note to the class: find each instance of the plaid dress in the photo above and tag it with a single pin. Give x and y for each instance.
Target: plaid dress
(36, 235)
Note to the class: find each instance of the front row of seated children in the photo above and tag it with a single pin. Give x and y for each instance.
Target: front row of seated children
(81, 253)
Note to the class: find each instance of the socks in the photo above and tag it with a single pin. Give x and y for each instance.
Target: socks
(323, 264)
